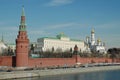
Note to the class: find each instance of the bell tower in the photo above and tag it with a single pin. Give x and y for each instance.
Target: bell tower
(93, 37)
(22, 44)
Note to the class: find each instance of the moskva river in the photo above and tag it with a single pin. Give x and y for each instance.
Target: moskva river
(103, 75)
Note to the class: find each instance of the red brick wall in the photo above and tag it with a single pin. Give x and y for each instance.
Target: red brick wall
(45, 62)
(5, 60)
(94, 60)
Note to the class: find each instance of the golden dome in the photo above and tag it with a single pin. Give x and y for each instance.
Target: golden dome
(92, 31)
(99, 40)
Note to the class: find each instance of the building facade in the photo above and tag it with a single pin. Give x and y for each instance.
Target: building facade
(3, 48)
(61, 43)
(94, 46)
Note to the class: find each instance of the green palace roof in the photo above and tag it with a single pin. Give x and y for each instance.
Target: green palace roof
(59, 36)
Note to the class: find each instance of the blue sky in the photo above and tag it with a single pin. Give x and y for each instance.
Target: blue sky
(75, 18)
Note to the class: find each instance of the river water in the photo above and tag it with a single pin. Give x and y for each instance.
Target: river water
(103, 75)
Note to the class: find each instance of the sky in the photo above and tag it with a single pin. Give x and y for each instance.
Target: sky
(76, 18)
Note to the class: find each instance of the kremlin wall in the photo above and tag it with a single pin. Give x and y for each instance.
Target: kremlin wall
(22, 58)
(52, 62)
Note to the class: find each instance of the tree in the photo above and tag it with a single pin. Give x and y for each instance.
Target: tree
(52, 49)
(32, 48)
(70, 49)
(75, 50)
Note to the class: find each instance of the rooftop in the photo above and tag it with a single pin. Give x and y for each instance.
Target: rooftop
(58, 37)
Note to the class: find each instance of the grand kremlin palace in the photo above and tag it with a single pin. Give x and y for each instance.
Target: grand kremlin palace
(60, 43)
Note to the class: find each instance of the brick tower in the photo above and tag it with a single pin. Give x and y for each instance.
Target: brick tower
(22, 44)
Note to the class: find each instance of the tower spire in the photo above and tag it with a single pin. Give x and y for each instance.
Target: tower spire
(23, 13)
(22, 26)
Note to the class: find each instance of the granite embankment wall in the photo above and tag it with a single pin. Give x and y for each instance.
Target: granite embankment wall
(51, 72)
(46, 62)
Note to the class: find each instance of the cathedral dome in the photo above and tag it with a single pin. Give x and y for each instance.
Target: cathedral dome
(99, 40)
(92, 31)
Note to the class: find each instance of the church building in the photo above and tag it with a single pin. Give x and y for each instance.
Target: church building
(93, 45)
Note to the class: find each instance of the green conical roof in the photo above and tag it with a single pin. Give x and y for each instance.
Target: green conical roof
(22, 26)
(23, 13)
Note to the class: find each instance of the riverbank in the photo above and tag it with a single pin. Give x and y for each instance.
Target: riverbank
(49, 72)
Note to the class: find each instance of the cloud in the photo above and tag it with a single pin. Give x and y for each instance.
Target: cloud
(64, 25)
(35, 32)
(109, 25)
(1, 23)
(10, 28)
(59, 2)
(38, 32)
(112, 42)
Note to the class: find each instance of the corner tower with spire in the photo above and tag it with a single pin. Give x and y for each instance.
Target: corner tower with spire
(22, 44)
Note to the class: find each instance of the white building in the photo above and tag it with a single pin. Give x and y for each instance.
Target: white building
(61, 43)
(95, 46)
(6, 48)
(3, 47)
(12, 47)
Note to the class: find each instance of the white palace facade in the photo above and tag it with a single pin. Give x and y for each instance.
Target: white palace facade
(60, 43)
